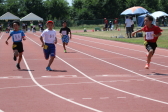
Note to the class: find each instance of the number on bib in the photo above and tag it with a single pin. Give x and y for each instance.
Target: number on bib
(17, 37)
(149, 35)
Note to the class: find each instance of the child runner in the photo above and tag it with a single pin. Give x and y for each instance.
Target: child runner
(65, 34)
(17, 37)
(151, 37)
(48, 39)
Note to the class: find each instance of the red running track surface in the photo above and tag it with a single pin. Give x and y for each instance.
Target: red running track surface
(95, 75)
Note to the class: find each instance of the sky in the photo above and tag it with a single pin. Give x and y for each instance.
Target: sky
(70, 2)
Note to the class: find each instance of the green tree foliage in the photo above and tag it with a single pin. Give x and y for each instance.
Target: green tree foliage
(80, 9)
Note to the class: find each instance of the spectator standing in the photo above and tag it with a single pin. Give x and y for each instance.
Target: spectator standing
(106, 23)
(116, 23)
(128, 23)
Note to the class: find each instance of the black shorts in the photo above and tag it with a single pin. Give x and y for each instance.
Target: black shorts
(150, 46)
(18, 46)
(128, 30)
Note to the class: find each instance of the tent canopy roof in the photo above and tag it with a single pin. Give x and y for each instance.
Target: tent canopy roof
(159, 14)
(9, 16)
(31, 17)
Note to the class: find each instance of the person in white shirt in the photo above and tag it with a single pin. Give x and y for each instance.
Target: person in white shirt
(48, 39)
(128, 24)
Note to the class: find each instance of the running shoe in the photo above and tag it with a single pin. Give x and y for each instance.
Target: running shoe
(65, 51)
(147, 66)
(48, 69)
(18, 66)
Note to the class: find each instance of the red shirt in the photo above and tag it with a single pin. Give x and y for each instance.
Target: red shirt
(115, 22)
(106, 21)
(149, 31)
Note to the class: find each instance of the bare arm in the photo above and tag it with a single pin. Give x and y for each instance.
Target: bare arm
(133, 33)
(41, 38)
(157, 35)
(55, 40)
(8, 39)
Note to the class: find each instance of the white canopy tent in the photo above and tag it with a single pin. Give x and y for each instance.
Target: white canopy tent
(31, 17)
(158, 14)
(9, 16)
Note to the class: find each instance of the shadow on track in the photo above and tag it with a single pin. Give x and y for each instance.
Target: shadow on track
(58, 71)
(154, 73)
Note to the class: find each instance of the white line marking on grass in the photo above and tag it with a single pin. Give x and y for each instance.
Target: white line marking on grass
(118, 46)
(147, 98)
(119, 54)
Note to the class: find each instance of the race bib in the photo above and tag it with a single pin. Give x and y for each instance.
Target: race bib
(17, 37)
(149, 35)
(64, 32)
(51, 37)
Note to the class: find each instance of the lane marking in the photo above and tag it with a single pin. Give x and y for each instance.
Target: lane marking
(119, 54)
(61, 76)
(117, 66)
(1, 35)
(118, 47)
(121, 97)
(86, 98)
(1, 111)
(32, 77)
(115, 42)
(11, 77)
(147, 98)
(103, 98)
(66, 84)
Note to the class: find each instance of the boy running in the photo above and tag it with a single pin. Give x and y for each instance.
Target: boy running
(65, 35)
(151, 37)
(48, 39)
(17, 37)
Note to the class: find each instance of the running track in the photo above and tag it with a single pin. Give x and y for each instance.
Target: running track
(94, 76)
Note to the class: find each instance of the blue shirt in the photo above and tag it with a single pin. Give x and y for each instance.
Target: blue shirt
(17, 36)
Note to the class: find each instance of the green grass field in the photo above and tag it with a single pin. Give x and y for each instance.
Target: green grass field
(111, 35)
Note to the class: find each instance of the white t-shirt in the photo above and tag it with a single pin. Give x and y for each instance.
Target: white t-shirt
(128, 22)
(49, 36)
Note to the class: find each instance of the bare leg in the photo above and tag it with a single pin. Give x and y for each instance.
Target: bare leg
(51, 60)
(20, 58)
(149, 56)
(64, 46)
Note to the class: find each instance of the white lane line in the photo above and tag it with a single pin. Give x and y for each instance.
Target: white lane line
(66, 84)
(86, 98)
(147, 98)
(117, 66)
(103, 98)
(1, 111)
(118, 46)
(116, 42)
(119, 54)
(121, 97)
(1, 35)
(32, 77)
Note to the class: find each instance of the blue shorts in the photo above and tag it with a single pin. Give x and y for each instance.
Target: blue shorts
(65, 39)
(49, 50)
